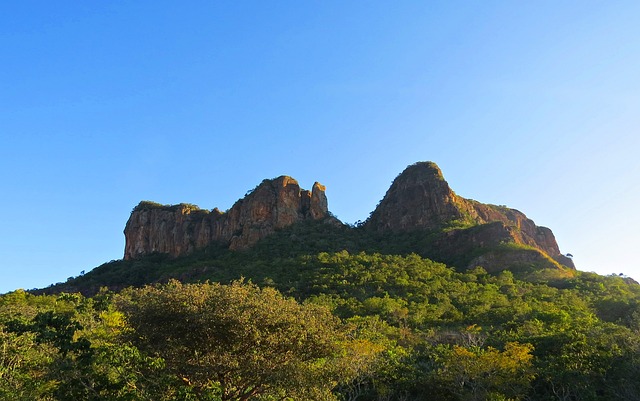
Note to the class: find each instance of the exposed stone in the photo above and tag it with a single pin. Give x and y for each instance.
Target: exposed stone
(319, 205)
(494, 261)
(181, 229)
(174, 230)
(274, 204)
(420, 199)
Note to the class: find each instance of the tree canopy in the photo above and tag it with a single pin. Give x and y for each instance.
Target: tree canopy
(328, 326)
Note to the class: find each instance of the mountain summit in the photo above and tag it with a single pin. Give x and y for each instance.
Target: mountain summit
(181, 229)
(419, 203)
(420, 199)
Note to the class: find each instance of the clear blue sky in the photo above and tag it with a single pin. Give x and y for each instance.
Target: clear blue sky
(534, 105)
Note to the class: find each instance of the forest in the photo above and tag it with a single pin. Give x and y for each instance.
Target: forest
(279, 323)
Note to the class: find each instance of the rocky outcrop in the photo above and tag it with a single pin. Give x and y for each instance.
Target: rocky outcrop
(175, 230)
(420, 199)
(522, 260)
(180, 229)
(459, 231)
(273, 205)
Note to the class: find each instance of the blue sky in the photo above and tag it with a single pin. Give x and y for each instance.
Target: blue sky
(532, 105)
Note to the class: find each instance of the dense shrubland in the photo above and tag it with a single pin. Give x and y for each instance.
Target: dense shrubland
(341, 325)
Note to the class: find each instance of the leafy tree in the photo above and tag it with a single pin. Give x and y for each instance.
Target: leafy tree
(476, 373)
(24, 365)
(64, 348)
(412, 328)
(237, 342)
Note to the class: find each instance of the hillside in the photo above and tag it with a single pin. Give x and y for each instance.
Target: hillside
(419, 214)
(433, 297)
(364, 326)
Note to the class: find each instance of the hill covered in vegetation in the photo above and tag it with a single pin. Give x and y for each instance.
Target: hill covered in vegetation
(419, 202)
(363, 326)
(419, 214)
(434, 297)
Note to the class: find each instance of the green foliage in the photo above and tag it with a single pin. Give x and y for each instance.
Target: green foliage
(335, 313)
(24, 364)
(185, 207)
(237, 341)
(64, 347)
(474, 373)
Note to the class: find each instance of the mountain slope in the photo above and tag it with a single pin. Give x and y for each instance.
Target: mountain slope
(278, 222)
(420, 199)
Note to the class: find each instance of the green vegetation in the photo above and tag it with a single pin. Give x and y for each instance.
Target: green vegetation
(237, 342)
(324, 312)
(352, 326)
(184, 207)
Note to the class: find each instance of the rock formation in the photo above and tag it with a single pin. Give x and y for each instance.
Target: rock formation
(461, 231)
(420, 199)
(180, 229)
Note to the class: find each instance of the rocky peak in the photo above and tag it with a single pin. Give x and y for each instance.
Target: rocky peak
(180, 229)
(273, 205)
(319, 205)
(420, 199)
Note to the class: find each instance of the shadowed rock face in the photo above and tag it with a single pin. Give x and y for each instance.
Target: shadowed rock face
(420, 199)
(180, 229)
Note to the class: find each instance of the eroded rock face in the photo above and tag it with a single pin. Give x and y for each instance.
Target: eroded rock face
(274, 204)
(319, 206)
(180, 229)
(174, 230)
(420, 199)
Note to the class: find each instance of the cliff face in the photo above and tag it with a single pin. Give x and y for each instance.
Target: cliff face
(180, 229)
(420, 199)
(175, 230)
